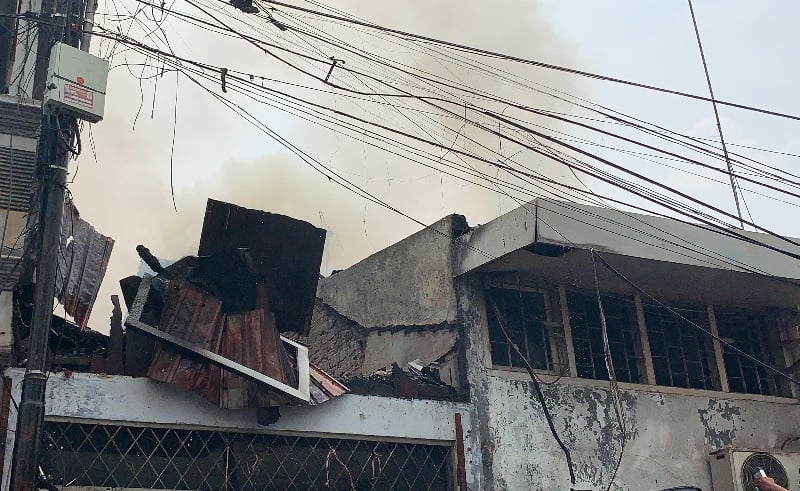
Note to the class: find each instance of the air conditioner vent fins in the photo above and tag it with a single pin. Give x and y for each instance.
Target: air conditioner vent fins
(771, 466)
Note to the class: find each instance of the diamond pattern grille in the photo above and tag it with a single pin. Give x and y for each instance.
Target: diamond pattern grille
(76, 454)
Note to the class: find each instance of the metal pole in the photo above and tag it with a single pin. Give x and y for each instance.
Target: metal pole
(88, 24)
(30, 420)
(53, 161)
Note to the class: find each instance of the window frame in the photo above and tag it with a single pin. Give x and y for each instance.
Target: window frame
(562, 343)
(560, 354)
(586, 299)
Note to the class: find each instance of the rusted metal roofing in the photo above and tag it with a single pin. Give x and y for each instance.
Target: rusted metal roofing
(251, 339)
(216, 318)
(192, 315)
(286, 253)
(248, 339)
(82, 262)
(324, 386)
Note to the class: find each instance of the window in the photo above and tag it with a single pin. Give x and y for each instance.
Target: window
(754, 333)
(525, 316)
(650, 343)
(682, 355)
(623, 337)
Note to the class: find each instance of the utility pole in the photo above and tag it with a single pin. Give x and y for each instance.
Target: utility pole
(57, 132)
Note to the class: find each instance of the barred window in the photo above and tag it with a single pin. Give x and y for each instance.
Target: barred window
(756, 334)
(650, 343)
(623, 337)
(683, 356)
(525, 316)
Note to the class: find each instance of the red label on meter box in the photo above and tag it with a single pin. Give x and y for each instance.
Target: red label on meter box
(78, 95)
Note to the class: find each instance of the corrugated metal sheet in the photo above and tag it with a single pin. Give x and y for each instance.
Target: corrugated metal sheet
(195, 316)
(82, 262)
(10, 269)
(323, 386)
(287, 254)
(248, 338)
(17, 169)
(20, 118)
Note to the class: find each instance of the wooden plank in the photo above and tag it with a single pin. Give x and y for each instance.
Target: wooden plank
(788, 330)
(461, 469)
(5, 406)
(115, 357)
(650, 373)
(721, 372)
(562, 298)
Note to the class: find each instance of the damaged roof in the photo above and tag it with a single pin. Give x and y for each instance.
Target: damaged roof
(214, 321)
(286, 252)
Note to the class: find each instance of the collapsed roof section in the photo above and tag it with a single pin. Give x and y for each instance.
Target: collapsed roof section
(286, 254)
(211, 324)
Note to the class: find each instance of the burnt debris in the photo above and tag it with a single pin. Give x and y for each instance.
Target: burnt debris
(211, 323)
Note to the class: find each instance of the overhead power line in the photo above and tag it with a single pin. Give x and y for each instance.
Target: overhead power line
(507, 57)
(609, 180)
(716, 116)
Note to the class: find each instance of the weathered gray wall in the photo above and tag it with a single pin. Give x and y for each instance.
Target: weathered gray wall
(670, 435)
(343, 348)
(108, 399)
(408, 283)
(400, 346)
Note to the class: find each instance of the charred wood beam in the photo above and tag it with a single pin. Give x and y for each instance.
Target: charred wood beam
(150, 260)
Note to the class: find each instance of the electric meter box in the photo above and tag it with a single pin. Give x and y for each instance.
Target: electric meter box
(76, 82)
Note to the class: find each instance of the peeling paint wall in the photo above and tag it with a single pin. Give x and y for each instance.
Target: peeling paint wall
(669, 434)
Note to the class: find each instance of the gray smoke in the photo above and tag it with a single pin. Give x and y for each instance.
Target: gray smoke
(126, 192)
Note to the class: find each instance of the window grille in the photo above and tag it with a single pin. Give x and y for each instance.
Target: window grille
(682, 355)
(754, 333)
(623, 337)
(75, 454)
(525, 316)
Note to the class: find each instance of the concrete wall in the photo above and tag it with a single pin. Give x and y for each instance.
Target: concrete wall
(114, 399)
(629, 234)
(344, 348)
(409, 283)
(387, 346)
(6, 314)
(669, 433)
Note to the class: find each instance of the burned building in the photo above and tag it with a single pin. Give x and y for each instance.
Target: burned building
(208, 385)
(700, 325)
(559, 346)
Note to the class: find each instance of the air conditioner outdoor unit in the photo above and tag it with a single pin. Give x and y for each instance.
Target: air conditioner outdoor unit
(733, 469)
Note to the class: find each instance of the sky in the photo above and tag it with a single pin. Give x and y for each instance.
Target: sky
(121, 182)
